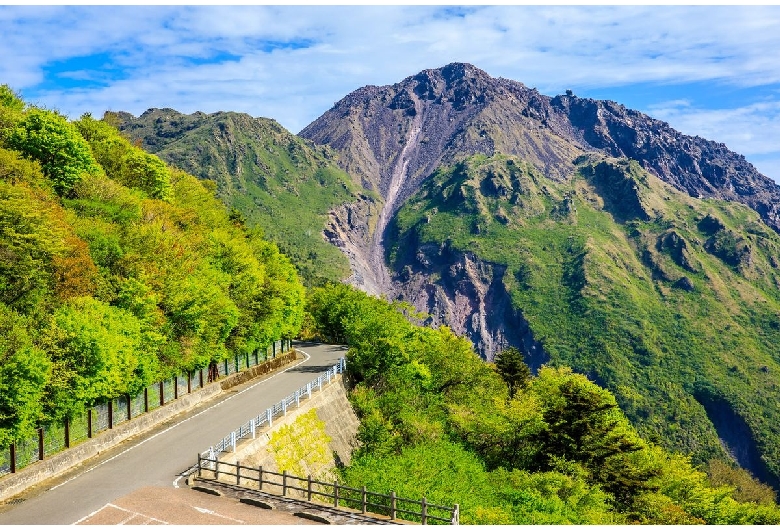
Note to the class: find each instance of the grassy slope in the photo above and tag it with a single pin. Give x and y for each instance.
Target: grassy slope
(597, 265)
(276, 180)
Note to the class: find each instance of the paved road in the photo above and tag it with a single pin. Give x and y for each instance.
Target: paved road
(158, 457)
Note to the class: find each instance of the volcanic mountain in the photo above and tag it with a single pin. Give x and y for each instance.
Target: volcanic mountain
(394, 137)
(582, 232)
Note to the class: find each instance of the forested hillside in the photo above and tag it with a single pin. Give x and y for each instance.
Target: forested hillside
(510, 448)
(669, 301)
(117, 270)
(274, 179)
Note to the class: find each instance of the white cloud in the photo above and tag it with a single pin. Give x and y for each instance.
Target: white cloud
(552, 48)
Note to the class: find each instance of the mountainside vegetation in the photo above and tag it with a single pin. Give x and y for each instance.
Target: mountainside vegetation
(437, 421)
(273, 179)
(117, 270)
(670, 302)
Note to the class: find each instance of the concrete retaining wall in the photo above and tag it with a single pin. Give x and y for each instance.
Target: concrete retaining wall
(304, 442)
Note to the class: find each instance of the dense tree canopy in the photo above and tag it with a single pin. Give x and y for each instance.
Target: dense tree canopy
(117, 271)
(510, 448)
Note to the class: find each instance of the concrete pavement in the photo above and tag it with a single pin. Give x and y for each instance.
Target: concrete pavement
(159, 456)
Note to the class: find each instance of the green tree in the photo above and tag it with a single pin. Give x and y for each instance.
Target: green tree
(50, 139)
(24, 371)
(513, 370)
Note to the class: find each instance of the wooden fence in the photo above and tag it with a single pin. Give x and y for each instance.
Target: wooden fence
(331, 493)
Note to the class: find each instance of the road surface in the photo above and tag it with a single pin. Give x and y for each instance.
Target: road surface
(159, 456)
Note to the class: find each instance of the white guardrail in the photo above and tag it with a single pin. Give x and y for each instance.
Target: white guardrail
(228, 443)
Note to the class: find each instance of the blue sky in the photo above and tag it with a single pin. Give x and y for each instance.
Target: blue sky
(711, 71)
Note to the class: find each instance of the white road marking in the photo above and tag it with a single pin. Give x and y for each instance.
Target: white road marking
(308, 357)
(212, 512)
(132, 515)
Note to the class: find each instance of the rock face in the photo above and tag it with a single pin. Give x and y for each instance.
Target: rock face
(394, 137)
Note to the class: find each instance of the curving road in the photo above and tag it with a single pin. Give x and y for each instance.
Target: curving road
(158, 457)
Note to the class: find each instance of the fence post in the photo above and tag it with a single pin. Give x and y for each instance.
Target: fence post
(308, 488)
(297, 398)
(335, 493)
(284, 406)
(13, 457)
(162, 393)
(238, 473)
(201, 377)
(111, 414)
(233, 440)
(40, 443)
(67, 432)
(216, 469)
(284, 483)
(456, 515)
(252, 427)
(89, 423)
(260, 482)
(189, 382)
(308, 389)
(146, 399)
(129, 409)
(200, 469)
(363, 500)
(176, 387)
(270, 415)
(424, 511)
(392, 505)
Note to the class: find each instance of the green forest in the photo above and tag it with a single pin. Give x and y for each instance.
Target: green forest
(670, 302)
(117, 270)
(509, 447)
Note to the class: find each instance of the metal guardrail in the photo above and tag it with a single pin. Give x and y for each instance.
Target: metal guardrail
(248, 429)
(335, 494)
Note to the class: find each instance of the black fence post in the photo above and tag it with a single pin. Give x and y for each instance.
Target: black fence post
(176, 387)
(40, 443)
(424, 511)
(111, 414)
(67, 432)
(89, 423)
(189, 382)
(260, 482)
(238, 473)
(162, 393)
(13, 458)
(146, 399)
(129, 409)
(200, 468)
(284, 483)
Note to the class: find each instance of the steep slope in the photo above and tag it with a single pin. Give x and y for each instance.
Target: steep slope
(274, 179)
(441, 116)
(669, 301)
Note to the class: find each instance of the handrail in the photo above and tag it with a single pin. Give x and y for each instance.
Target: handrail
(259, 475)
(229, 442)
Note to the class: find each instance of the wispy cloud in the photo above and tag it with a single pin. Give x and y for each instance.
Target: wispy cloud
(292, 62)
